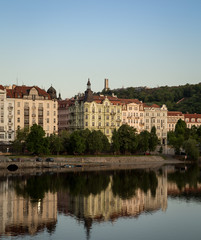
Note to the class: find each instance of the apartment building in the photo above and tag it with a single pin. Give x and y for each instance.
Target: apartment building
(192, 120)
(133, 113)
(7, 128)
(34, 105)
(90, 111)
(156, 116)
(172, 119)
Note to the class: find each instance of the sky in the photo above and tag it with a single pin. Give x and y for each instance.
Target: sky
(131, 42)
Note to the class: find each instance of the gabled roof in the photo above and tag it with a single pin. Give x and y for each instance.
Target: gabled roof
(20, 91)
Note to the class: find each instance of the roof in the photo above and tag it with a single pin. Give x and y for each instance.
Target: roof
(1, 87)
(20, 91)
(174, 113)
(192, 115)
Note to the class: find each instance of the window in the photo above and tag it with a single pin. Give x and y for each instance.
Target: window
(18, 120)
(48, 113)
(54, 113)
(86, 117)
(93, 124)
(86, 124)
(1, 136)
(48, 120)
(86, 109)
(124, 113)
(54, 128)
(18, 104)
(18, 112)
(93, 117)
(107, 117)
(9, 136)
(99, 124)
(48, 105)
(130, 108)
(54, 120)
(54, 105)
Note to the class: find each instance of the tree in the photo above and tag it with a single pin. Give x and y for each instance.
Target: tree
(127, 139)
(97, 142)
(36, 143)
(176, 138)
(191, 149)
(143, 141)
(153, 140)
(77, 144)
(56, 144)
(20, 143)
(115, 142)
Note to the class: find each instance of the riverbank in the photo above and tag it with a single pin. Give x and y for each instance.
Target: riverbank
(110, 162)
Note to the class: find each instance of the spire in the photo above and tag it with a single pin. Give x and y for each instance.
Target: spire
(88, 93)
(88, 84)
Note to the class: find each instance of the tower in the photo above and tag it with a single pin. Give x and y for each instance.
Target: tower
(106, 88)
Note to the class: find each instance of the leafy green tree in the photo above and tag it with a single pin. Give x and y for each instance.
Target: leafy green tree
(56, 144)
(191, 149)
(20, 143)
(36, 143)
(153, 140)
(127, 139)
(65, 139)
(97, 142)
(143, 141)
(177, 138)
(115, 142)
(77, 144)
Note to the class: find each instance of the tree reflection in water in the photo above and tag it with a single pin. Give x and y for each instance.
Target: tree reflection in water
(125, 183)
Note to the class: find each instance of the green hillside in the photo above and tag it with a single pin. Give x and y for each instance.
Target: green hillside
(185, 98)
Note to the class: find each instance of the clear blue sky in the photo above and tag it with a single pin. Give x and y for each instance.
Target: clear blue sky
(130, 42)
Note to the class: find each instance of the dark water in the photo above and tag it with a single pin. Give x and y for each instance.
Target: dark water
(132, 204)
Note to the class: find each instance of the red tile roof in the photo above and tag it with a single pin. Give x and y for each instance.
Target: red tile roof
(1, 87)
(20, 91)
(191, 116)
(174, 113)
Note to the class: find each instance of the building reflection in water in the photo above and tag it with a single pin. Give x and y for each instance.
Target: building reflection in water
(20, 216)
(89, 197)
(107, 206)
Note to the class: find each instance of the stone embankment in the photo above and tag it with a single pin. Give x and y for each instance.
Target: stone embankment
(116, 162)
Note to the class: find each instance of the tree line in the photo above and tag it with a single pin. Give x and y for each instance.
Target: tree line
(186, 139)
(125, 140)
(186, 98)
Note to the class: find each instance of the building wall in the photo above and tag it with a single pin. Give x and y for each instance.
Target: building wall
(133, 115)
(29, 110)
(156, 116)
(102, 116)
(7, 118)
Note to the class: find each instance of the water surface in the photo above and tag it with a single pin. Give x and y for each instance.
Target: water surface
(132, 204)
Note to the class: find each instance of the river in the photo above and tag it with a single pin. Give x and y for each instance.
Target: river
(161, 203)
